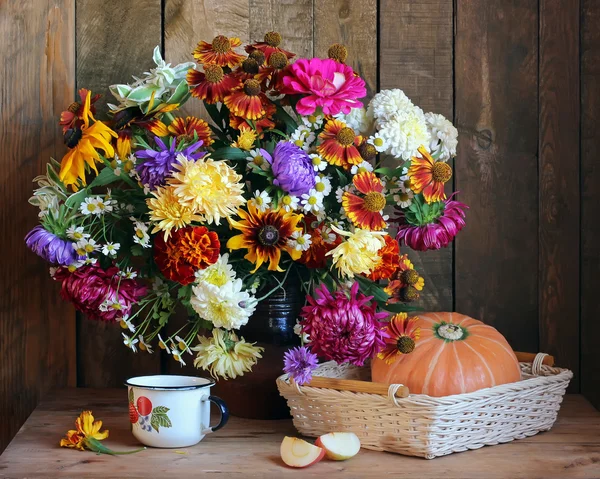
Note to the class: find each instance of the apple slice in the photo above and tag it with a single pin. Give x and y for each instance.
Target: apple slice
(298, 453)
(339, 446)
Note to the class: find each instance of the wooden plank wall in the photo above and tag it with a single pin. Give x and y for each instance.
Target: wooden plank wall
(520, 79)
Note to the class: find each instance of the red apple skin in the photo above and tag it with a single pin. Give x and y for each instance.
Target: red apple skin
(317, 459)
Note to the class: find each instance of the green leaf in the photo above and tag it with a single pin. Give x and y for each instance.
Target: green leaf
(159, 418)
(160, 410)
(214, 113)
(283, 115)
(105, 177)
(229, 153)
(96, 446)
(131, 396)
(400, 308)
(137, 250)
(75, 200)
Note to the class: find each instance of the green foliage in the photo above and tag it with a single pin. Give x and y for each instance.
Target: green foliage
(421, 213)
(159, 418)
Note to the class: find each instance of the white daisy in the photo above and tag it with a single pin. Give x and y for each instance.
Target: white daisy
(76, 233)
(328, 235)
(313, 121)
(163, 345)
(110, 249)
(89, 261)
(378, 142)
(140, 235)
(303, 336)
(404, 199)
(303, 137)
(104, 205)
(111, 304)
(85, 246)
(299, 241)
(89, 206)
(125, 323)
(339, 193)
(361, 167)
(144, 346)
(177, 355)
(319, 164)
(312, 202)
(128, 273)
(261, 200)
(182, 345)
(404, 183)
(290, 202)
(257, 160)
(323, 184)
(130, 342)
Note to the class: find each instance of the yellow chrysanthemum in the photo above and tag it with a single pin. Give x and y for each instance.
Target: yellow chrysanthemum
(211, 188)
(246, 139)
(224, 355)
(167, 212)
(358, 253)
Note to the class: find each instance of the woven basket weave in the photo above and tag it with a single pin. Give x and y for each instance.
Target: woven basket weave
(425, 426)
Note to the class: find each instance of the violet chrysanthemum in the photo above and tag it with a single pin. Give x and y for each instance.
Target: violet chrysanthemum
(50, 247)
(292, 168)
(299, 363)
(158, 164)
(437, 234)
(343, 327)
(100, 294)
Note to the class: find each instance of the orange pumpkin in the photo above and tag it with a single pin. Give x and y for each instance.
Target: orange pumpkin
(440, 354)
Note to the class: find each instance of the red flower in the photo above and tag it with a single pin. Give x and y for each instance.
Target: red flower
(389, 262)
(339, 145)
(212, 85)
(219, 52)
(269, 46)
(186, 251)
(74, 114)
(366, 211)
(185, 128)
(323, 240)
(248, 101)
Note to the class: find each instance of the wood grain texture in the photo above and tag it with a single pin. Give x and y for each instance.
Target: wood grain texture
(113, 43)
(590, 200)
(189, 21)
(250, 448)
(559, 183)
(37, 329)
(292, 18)
(415, 55)
(496, 255)
(352, 23)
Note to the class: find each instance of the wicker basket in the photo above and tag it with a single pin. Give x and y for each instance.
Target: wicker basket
(420, 425)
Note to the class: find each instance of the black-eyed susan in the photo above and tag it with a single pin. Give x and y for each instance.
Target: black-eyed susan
(83, 142)
(265, 235)
(366, 211)
(429, 176)
(339, 145)
(220, 52)
(211, 85)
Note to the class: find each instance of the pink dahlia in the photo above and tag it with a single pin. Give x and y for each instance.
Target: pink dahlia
(326, 83)
(437, 234)
(344, 328)
(103, 295)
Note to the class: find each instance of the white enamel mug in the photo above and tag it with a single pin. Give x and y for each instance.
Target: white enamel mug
(172, 411)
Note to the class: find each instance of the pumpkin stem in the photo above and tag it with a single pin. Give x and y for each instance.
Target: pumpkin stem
(450, 332)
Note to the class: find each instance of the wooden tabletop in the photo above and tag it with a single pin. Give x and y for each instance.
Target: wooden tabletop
(250, 448)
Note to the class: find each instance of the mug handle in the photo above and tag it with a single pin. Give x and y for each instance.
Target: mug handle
(224, 413)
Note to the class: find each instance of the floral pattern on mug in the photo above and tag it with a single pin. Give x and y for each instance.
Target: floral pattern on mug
(142, 414)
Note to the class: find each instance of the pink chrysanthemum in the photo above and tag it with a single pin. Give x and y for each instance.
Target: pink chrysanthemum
(343, 327)
(102, 295)
(326, 83)
(437, 234)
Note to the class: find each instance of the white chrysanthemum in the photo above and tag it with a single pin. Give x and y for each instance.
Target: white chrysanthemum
(387, 104)
(226, 307)
(218, 274)
(261, 200)
(323, 185)
(358, 120)
(443, 136)
(405, 133)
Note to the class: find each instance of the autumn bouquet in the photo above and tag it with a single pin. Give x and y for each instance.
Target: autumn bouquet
(148, 210)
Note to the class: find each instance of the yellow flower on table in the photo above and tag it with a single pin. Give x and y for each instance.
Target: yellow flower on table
(86, 428)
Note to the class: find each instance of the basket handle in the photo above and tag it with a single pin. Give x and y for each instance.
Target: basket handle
(358, 386)
(531, 357)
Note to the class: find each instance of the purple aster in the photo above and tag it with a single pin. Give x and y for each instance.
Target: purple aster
(299, 363)
(158, 164)
(292, 168)
(50, 247)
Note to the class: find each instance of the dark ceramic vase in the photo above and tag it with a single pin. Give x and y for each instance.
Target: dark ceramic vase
(254, 395)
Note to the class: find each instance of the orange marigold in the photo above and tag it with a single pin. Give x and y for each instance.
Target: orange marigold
(389, 262)
(186, 251)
